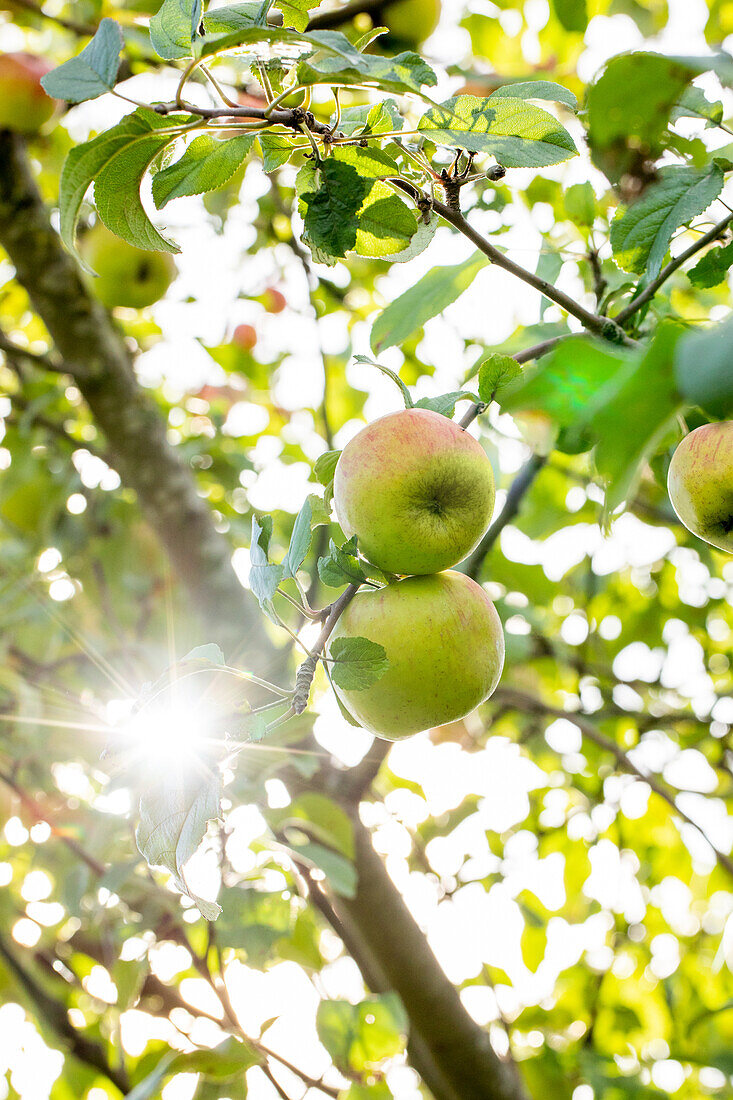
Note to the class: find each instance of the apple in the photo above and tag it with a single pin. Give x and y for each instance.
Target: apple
(274, 300)
(445, 646)
(127, 276)
(410, 22)
(700, 483)
(417, 491)
(245, 336)
(24, 106)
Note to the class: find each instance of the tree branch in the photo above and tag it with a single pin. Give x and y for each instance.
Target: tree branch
(84, 335)
(649, 291)
(521, 484)
(82, 29)
(307, 670)
(599, 326)
(459, 1048)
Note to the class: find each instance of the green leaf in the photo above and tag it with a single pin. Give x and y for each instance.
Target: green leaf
(494, 373)
(406, 396)
(572, 15)
(171, 32)
(537, 89)
(264, 577)
(357, 663)
(117, 192)
(548, 268)
(210, 654)
(429, 297)
(565, 382)
(419, 241)
(370, 119)
(446, 403)
(712, 269)
(206, 165)
(339, 871)
(517, 133)
(174, 812)
(149, 1086)
(246, 30)
(693, 103)
(251, 727)
(141, 134)
(320, 510)
(629, 108)
(580, 203)
(640, 236)
(324, 818)
(276, 151)
(330, 212)
(352, 212)
(384, 222)
(339, 62)
(295, 12)
(253, 920)
(300, 540)
(93, 72)
(360, 1037)
(345, 714)
(703, 371)
(341, 565)
(370, 161)
(325, 467)
(236, 17)
(631, 414)
(231, 1058)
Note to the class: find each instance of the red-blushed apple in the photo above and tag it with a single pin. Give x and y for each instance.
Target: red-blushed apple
(417, 491)
(445, 647)
(24, 106)
(274, 300)
(410, 22)
(245, 337)
(126, 276)
(700, 483)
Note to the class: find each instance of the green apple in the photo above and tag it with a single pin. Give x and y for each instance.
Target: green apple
(127, 276)
(700, 483)
(445, 646)
(417, 491)
(24, 106)
(410, 22)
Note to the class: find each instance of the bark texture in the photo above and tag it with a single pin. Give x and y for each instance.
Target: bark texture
(95, 353)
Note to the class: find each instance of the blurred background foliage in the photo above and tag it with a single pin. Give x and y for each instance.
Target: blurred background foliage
(582, 912)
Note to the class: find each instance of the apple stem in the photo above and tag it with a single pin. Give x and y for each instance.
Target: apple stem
(307, 670)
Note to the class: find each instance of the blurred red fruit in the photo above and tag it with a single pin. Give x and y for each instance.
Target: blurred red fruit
(24, 106)
(274, 300)
(245, 336)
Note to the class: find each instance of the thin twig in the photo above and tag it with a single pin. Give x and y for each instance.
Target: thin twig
(307, 670)
(649, 291)
(535, 352)
(522, 482)
(82, 29)
(599, 326)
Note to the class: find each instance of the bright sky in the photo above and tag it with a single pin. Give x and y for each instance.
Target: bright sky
(476, 926)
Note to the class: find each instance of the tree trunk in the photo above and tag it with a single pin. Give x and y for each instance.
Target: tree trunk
(454, 1052)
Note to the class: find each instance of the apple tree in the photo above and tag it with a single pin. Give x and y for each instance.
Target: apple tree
(366, 511)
